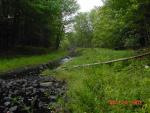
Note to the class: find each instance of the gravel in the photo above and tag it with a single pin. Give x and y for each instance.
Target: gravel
(30, 94)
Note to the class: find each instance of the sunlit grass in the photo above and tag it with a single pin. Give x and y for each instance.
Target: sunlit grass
(7, 64)
(90, 88)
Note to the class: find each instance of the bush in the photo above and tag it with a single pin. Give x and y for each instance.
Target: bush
(132, 43)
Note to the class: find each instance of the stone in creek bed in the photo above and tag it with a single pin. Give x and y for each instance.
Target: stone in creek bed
(41, 104)
(2, 107)
(29, 88)
(7, 103)
(14, 108)
(46, 84)
(53, 98)
(7, 98)
(42, 90)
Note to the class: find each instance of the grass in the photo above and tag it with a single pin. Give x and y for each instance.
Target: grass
(91, 88)
(8, 64)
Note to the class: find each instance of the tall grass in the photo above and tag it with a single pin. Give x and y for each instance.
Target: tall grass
(91, 88)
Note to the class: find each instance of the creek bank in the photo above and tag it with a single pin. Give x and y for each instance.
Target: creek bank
(33, 70)
(25, 91)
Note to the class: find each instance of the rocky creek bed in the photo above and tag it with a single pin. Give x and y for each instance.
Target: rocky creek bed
(30, 94)
(25, 91)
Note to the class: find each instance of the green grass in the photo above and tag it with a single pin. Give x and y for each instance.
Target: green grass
(90, 88)
(8, 64)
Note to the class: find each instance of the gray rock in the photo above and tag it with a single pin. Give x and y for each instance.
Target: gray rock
(14, 108)
(7, 103)
(53, 98)
(46, 84)
(29, 91)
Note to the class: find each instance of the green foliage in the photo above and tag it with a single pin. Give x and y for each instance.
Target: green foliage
(115, 24)
(130, 18)
(90, 88)
(83, 30)
(37, 23)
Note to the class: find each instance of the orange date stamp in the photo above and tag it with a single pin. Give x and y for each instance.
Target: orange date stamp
(125, 102)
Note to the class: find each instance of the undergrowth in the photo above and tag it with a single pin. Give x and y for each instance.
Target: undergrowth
(90, 89)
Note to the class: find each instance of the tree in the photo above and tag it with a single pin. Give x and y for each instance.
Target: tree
(122, 24)
(38, 23)
(83, 30)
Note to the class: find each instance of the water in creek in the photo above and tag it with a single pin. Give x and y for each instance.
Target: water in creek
(65, 60)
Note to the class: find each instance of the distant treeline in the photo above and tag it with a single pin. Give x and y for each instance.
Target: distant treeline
(37, 23)
(118, 24)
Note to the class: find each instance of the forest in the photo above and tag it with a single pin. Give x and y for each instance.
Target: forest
(54, 58)
(35, 23)
(119, 24)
